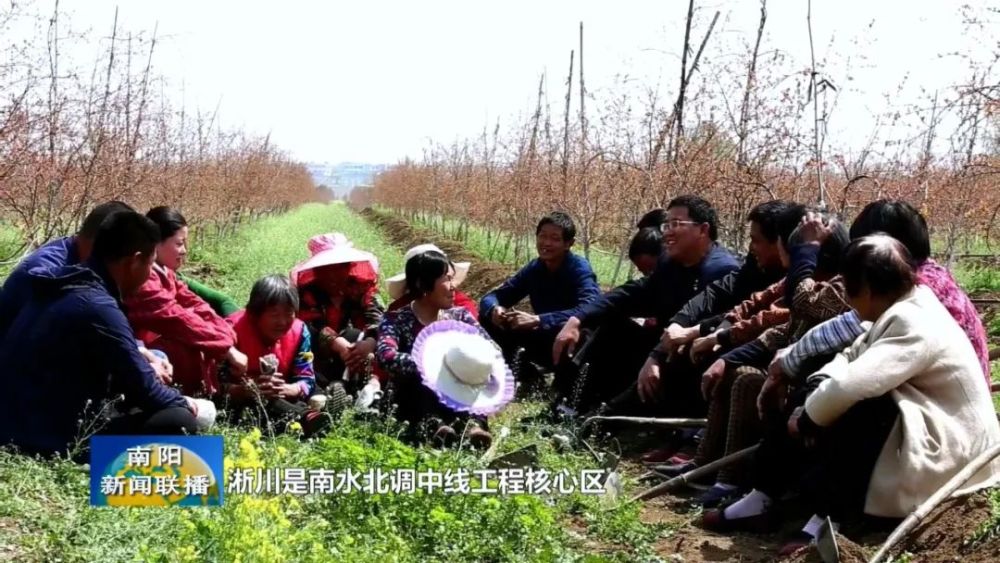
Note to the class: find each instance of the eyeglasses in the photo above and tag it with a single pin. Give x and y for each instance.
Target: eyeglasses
(674, 223)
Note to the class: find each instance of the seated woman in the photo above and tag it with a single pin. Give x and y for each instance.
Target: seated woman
(904, 223)
(338, 295)
(168, 316)
(890, 419)
(279, 379)
(645, 249)
(434, 383)
(401, 298)
(644, 252)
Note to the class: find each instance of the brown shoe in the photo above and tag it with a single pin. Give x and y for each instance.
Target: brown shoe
(795, 544)
(478, 438)
(659, 455)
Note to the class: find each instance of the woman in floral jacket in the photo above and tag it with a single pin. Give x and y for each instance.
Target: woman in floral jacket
(339, 302)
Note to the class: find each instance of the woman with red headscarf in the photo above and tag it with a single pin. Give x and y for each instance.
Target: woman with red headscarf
(338, 293)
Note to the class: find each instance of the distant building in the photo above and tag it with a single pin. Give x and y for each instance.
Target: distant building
(343, 177)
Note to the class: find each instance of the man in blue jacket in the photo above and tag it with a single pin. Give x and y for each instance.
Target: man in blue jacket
(556, 284)
(693, 260)
(70, 360)
(54, 254)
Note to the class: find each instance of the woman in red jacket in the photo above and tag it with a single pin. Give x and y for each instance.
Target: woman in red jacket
(280, 379)
(167, 316)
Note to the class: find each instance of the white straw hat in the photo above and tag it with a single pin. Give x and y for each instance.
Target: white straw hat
(464, 369)
(397, 284)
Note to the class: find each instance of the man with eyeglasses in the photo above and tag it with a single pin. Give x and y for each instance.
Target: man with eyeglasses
(670, 362)
(693, 260)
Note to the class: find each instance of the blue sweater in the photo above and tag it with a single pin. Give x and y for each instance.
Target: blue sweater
(554, 296)
(661, 294)
(68, 352)
(16, 290)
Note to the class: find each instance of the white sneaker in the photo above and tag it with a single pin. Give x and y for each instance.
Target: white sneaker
(317, 402)
(368, 394)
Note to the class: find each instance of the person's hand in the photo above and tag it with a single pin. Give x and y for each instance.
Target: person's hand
(793, 422)
(164, 371)
(192, 405)
(774, 369)
(327, 336)
(519, 320)
(649, 381)
(238, 390)
(274, 386)
(238, 362)
(772, 394)
(677, 336)
(288, 391)
(499, 317)
(813, 230)
(703, 346)
(711, 378)
(341, 347)
(358, 354)
(566, 340)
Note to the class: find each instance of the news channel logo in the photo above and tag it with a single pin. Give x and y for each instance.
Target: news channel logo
(156, 471)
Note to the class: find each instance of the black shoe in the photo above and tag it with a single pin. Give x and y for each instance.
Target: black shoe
(315, 423)
(527, 374)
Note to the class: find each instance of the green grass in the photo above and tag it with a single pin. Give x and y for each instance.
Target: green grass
(978, 279)
(991, 528)
(45, 515)
(275, 244)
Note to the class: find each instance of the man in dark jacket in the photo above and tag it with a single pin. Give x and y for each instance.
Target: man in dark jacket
(70, 353)
(57, 253)
(700, 316)
(692, 261)
(556, 283)
(703, 314)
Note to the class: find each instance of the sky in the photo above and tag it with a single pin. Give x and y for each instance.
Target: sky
(374, 81)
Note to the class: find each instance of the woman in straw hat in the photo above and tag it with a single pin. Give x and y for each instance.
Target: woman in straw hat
(401, 298)
(442, 366)
(338, 293)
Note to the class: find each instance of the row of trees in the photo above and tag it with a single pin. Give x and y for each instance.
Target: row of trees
(72, 135)
(738, 130)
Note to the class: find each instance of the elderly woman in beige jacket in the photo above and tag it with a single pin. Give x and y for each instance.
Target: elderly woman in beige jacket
(889, 420)
(916, 353)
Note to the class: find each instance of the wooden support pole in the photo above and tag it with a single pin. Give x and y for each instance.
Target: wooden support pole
(694, 474)
(930, 504)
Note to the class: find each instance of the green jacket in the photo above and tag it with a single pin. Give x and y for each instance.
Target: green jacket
(220, 302)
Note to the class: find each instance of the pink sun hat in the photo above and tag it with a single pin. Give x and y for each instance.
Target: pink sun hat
(465, 370)
(326, 250)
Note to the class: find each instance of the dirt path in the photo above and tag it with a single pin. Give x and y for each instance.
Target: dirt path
(942, 537)
(483, 276)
